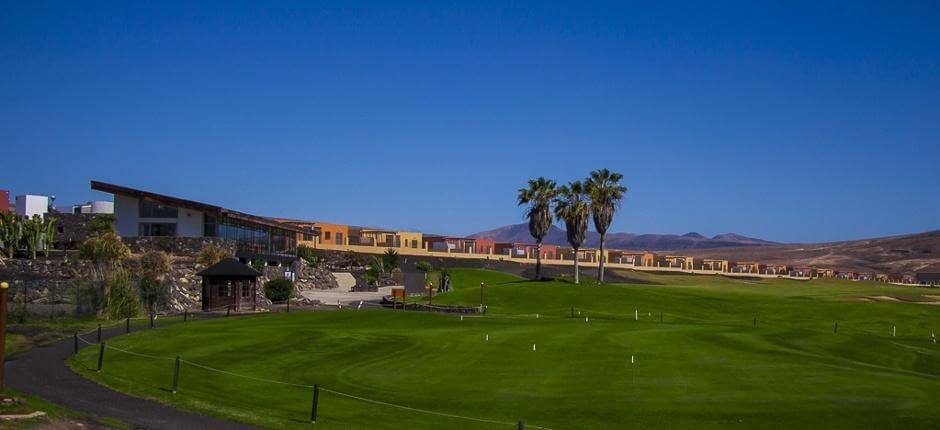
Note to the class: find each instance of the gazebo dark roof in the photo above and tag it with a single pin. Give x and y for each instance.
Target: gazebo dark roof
(230, 267)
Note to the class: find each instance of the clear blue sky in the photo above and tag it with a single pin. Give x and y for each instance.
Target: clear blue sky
(791, 122)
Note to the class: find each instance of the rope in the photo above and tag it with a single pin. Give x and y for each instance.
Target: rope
(425, 411)
(155, 357)
(212, 369)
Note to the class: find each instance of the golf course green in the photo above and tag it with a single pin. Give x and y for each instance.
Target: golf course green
(669, 351)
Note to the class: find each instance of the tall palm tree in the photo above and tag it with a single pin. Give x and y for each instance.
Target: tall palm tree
(572, 208)
(605, 192)
(538, 196)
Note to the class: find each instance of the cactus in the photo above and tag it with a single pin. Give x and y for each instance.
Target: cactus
(48, 234)
(11, 231)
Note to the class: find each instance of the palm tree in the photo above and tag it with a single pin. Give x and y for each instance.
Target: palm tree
(538, 196)
(605, 192)
(572, 208)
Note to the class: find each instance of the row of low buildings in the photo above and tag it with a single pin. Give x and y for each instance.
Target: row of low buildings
(143, 213)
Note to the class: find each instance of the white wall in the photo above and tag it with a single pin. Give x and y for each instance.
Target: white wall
(28, 205)
(189, 223)
(100, 207)
(125, 214)
(126, 211)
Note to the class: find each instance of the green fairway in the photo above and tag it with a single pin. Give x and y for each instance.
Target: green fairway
(705, 365)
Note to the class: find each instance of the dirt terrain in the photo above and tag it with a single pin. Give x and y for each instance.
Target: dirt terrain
(895, 254)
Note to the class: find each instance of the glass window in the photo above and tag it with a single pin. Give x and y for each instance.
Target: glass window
(246, 290)
(339, 238)
(151, 209)
(209, 227)
(326, 235)
(156, 229)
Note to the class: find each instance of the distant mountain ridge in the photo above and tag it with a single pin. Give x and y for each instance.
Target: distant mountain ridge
(629, 241)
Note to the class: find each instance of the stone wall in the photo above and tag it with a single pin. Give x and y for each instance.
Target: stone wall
(71, 229)
(179, 246)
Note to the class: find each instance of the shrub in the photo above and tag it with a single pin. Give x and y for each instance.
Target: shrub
(211, 254)
(424, 266)
(102, 224)
(310, 256)
(123, 300)
(258, 264)
(279, 290)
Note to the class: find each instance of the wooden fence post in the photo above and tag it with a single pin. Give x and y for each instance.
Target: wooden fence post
(76, 342)
(316, 401)
(100, 356)
(127, 325)
(176, 374)
(185, 314)
(521, 424)
(99, 333)
(151, 320)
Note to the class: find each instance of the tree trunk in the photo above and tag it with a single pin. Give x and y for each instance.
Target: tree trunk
(600, 267)
(538, 260)
(576, 279)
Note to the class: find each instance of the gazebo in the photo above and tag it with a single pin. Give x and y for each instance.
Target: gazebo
(229, 283)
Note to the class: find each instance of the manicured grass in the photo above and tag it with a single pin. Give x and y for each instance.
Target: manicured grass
(704, 366)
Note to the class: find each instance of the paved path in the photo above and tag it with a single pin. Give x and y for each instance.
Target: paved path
(345, 280)
(42, 372)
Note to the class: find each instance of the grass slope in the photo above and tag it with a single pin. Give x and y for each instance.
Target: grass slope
(704, 366)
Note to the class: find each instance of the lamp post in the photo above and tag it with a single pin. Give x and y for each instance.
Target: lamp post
(482, 303)
(4, 289)
(430, 288)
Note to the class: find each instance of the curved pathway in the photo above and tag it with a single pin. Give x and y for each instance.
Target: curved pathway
(42, 372)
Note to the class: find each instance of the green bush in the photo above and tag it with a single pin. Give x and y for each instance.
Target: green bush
(424, 266)
(211, 254)
(123, 298)
(279, 290)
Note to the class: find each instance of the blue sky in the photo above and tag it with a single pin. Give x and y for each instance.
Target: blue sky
(782, 120)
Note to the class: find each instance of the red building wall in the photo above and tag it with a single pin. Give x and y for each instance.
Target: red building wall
(4, 200)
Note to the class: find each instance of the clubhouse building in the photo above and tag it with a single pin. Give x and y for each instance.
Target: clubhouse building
(141, 213)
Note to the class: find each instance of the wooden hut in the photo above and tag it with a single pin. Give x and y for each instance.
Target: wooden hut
(229, 283)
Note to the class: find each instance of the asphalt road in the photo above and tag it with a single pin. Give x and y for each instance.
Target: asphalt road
(42, 372)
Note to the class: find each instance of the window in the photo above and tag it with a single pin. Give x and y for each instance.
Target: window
(209, 226)
(339, 238)
(326, 235)
(151, 209)
(246, 290)
(308, 237)
(224, 290)
(156, 229)
(414, 243)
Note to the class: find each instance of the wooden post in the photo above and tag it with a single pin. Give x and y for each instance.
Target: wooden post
(176, 374)
(76, 342)
(100, 356)
(521, 424)
(4, 291)
(151, 320)
(185, 314)
(228, 310)
(127, 325)
(99, 333)
(288, 305)
(316, 400)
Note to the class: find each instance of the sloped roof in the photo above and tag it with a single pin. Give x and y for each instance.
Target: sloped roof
(230, 267)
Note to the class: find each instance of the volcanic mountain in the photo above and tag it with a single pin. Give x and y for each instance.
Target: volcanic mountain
(647, 242)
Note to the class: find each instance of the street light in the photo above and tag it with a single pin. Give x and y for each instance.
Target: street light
(4, 288)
